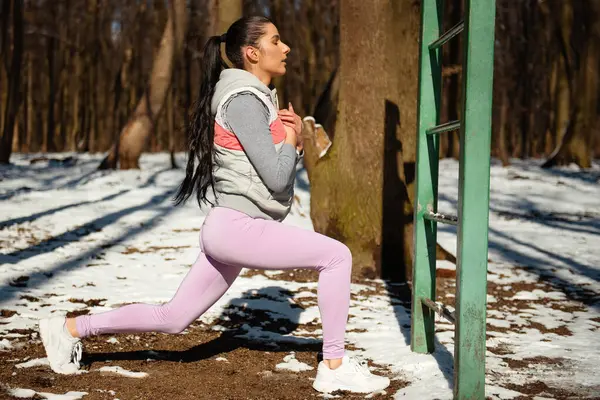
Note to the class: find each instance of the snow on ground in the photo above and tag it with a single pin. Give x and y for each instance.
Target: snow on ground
(122, 371)
(290, 363)
(29, 394)
(72, 238)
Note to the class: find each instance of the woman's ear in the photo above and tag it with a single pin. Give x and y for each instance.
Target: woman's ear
(251, 54)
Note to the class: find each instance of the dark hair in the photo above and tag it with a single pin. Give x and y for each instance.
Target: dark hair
(201, 130)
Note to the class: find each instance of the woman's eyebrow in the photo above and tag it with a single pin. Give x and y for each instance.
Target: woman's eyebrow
(276, 37)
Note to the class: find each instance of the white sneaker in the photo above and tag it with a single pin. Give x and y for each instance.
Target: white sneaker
(351, 376)
(63, 350)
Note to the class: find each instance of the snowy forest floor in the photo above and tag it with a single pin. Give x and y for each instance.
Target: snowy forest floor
(76, 240)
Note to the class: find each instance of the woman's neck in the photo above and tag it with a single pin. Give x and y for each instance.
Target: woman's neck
(263, 76)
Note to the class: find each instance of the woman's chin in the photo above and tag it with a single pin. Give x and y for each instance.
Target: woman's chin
(280, 72)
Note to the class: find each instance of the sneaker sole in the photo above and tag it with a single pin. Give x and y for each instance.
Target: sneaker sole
(328, 388)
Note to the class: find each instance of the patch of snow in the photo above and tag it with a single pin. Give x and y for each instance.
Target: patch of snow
(66, 396)
(374, 394)
(290, 363)
(28, 394)
(36, 362)
(22, 393)
(5, 345)
(497, 392)
(498, 322)
(122, 371)
(537, 294)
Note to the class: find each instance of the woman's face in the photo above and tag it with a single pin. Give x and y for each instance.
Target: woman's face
(272, 52)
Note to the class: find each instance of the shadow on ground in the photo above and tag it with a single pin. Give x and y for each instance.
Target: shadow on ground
(246, 322)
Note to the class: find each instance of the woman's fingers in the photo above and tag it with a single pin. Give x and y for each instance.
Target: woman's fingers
(290, 119)
(285, 112)
(287, 118)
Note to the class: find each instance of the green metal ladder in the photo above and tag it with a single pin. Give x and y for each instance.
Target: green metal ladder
(473, 196)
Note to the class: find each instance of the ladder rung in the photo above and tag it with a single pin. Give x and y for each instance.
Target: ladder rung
(445, 38)
(440, 309)
(438, 217)
(445, 127)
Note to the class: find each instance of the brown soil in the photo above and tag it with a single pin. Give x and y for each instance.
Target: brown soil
(7, 313)
(527, 362)
(541, 389)
(89, 303)
(152, 249)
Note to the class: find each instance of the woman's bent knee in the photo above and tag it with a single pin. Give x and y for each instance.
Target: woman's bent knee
(167, 321)
(174, 328)
(346, 254)
(341, 257)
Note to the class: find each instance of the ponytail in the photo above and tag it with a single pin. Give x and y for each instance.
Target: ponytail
(201, 130)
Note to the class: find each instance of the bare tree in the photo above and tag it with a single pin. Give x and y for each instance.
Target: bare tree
(361, 190)
(577, 112)
(227, 13)
(13, 100)
(135, 134)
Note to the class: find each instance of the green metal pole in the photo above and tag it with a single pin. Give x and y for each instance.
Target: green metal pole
(430, 75)
(473, 207)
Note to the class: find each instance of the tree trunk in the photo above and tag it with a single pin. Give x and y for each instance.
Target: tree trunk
(49, 142)
(92, 119)
(360, 191)
(16, 133)
(14, 76)
(576, 143)
(76, 119)
(326, 109)
(3, 93)
(454, 80)
(62, 107)
(4, 52)
(170, 127)
(29, 104)
(550, 142)
(229, 12)
(136, 132)
(501, 142)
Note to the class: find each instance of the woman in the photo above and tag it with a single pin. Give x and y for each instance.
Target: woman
(245, 150)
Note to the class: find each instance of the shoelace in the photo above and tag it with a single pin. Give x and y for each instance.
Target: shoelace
(360, 366)
(76, 353)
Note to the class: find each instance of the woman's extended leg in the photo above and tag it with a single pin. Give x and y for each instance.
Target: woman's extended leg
(204, 284)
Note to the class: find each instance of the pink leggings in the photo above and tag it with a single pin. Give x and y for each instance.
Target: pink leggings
(230, 241)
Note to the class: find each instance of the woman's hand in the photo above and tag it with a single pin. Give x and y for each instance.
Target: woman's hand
(292, 121)
(290, 135)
